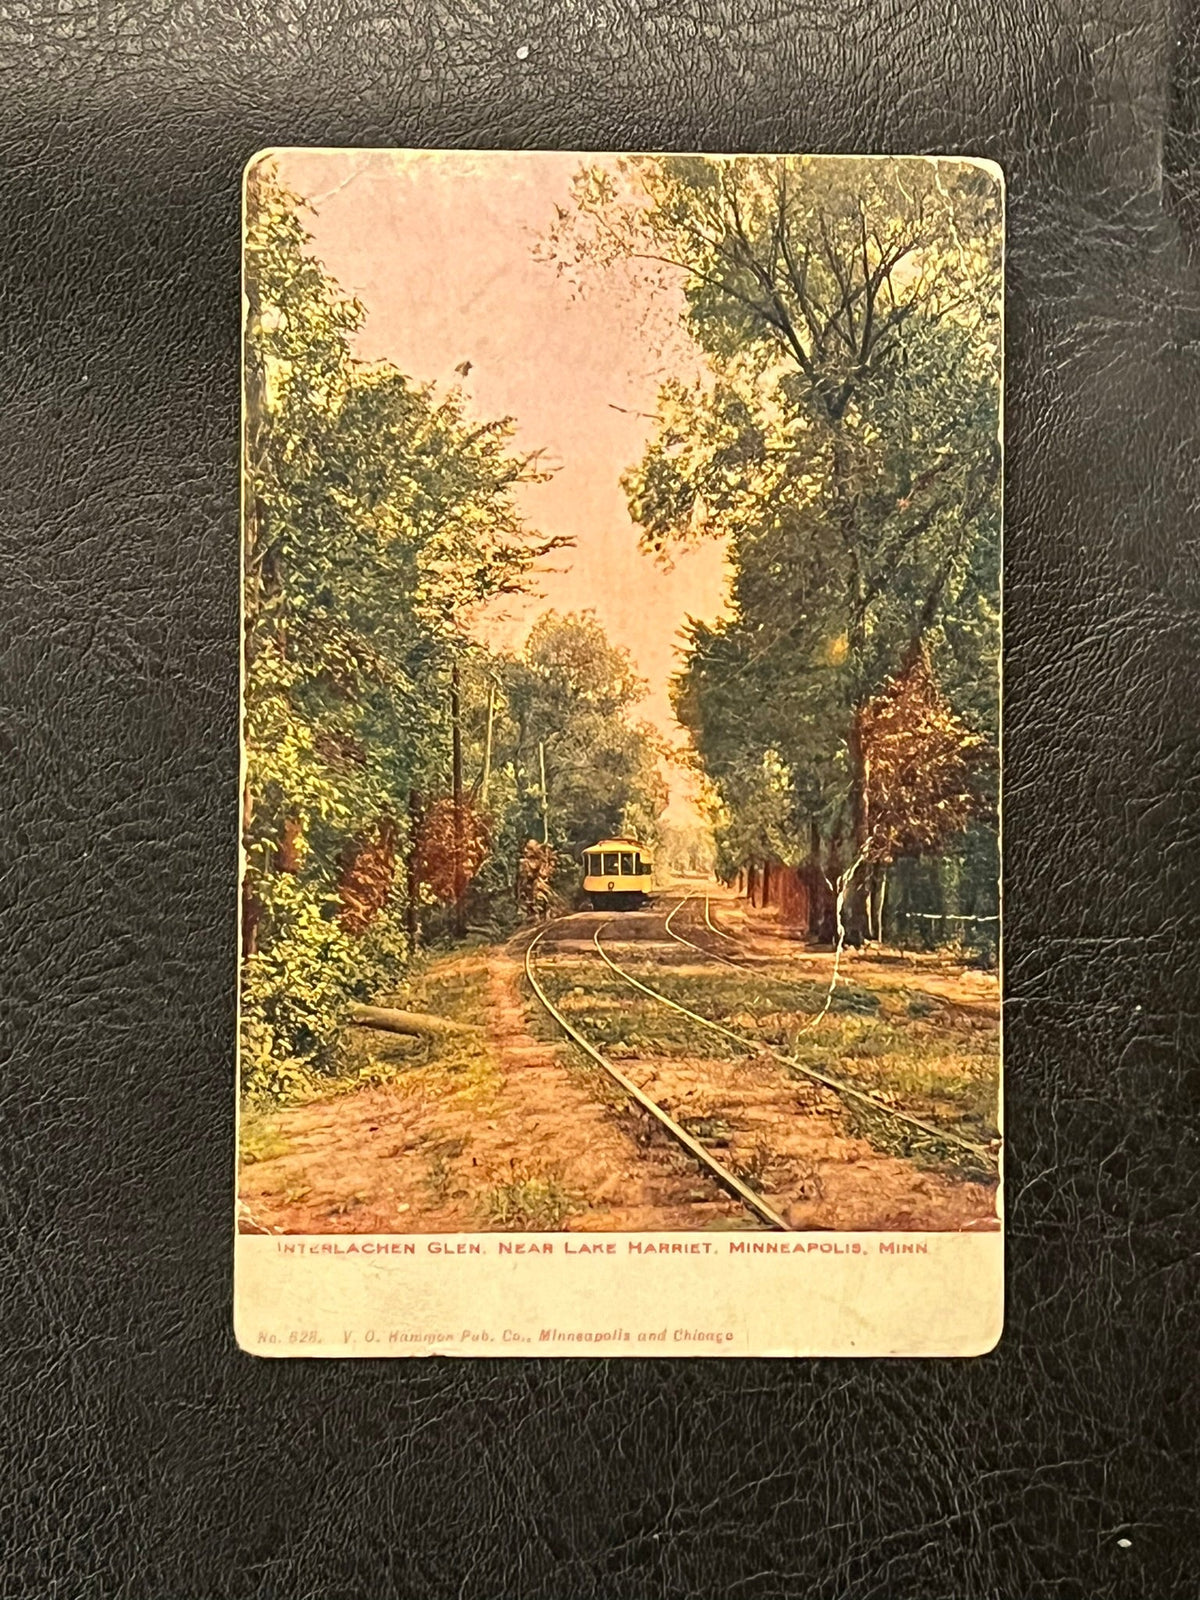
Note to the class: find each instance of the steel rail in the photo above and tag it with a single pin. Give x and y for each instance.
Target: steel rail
(943, 1135)
(728, 1180)
(727, 961)
(712, 927)
(712, 955)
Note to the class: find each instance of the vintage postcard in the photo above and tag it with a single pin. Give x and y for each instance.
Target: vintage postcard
(620, 902)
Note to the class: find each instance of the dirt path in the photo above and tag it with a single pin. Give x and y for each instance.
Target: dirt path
(516, 1141)
(555, 1121)
(506, 1131)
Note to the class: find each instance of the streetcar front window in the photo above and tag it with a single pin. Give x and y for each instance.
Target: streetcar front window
(627, 864)
(612, 864)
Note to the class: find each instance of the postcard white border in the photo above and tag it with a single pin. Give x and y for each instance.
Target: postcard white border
(743, 1293)
(811, 1294)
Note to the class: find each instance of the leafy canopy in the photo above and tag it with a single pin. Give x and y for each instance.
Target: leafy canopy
(841, 438)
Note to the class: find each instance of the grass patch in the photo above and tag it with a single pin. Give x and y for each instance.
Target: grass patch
(259, 1139)
(438, 1177)
(945, 1077)
(456, 1063)
(444, 1150)
(914, 1144)
(921, 1005)
(911, 1054)
(622, 1024)
(713, 1130)
(528, 1202)
(725, 994)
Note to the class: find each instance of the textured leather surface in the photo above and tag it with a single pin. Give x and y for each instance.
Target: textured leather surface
(144, 1455)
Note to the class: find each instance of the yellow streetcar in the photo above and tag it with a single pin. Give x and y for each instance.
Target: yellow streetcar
(618, 874)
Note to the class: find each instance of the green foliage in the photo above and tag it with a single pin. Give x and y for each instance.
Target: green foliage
(571, 692)
(376, 512)
(686, 848)
(528, 1202)
(259, 1139)
(842, 440)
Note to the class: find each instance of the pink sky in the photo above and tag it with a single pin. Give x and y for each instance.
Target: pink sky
(439, 249)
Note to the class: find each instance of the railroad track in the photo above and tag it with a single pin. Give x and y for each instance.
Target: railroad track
(846, 1091)
(754, 964)
(728, 1180)
(720, 932)
(984, 1157)
(679, 938)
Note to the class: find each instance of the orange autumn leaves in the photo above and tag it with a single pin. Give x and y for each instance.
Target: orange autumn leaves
(452, 845)
(922, 764)
(366, 878)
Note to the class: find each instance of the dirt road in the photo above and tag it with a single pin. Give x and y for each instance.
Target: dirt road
(514, 1129)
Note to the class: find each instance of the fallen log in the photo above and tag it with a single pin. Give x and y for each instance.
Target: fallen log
(413, 1023)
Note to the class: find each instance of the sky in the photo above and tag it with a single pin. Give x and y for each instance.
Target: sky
(439, 248)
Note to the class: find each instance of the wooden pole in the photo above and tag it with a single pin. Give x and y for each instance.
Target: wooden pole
(487, 744)
(460, 887)
(545, 810)
(413, 884)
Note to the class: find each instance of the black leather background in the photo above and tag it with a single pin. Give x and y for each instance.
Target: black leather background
(144, 1455)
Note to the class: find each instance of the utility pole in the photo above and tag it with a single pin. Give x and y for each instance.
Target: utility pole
(413, 883)
(545, 810)
(460, 887)
(487, 744)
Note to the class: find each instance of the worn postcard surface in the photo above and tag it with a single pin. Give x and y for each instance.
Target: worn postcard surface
(620, 790)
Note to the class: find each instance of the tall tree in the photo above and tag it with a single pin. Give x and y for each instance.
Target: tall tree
(573, 694)
(843, 439)
(375, 513)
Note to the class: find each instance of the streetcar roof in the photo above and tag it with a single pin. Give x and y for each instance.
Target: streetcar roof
(617, 844)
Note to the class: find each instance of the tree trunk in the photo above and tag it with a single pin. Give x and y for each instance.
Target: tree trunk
(816, 881)
(833, 856)
(518, 787)
(251, 906)
(545, 806)
(287, 856)
(855, 916)
(846, 508)
(251, 912)
(412, 883)
(460, 884)
(412, 1023)
(487, 746)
